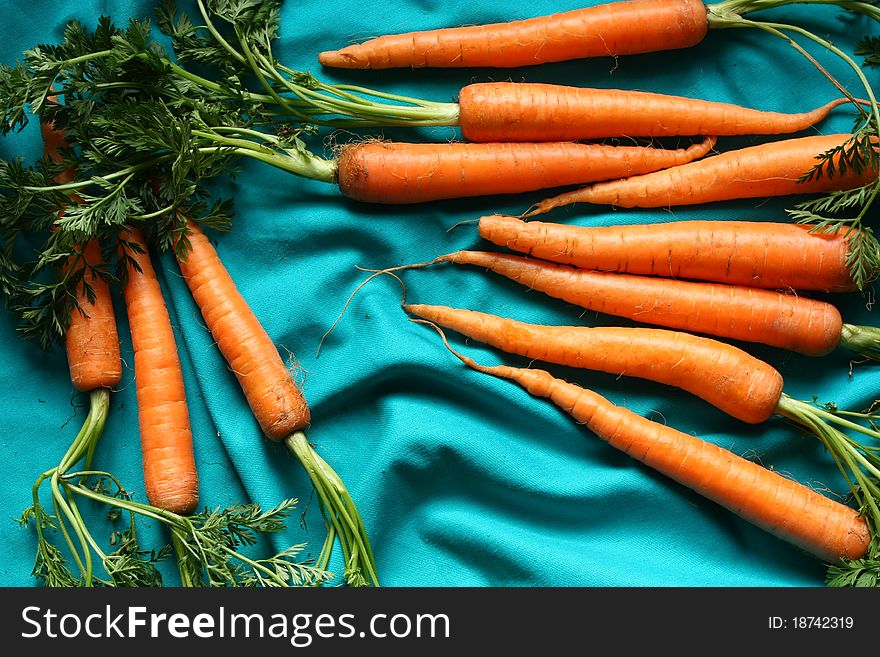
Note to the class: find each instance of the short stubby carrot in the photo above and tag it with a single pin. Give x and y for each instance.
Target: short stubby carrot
(785, 508)
(798, 323)
(762, 171)
(523, 111)
(766, 254)
(275, 399)
(166, 437)
(91, 338)
(397, 173)
(723, 375)
(616, 28)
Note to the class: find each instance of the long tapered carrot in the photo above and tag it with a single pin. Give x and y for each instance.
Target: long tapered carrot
(395, 173)
(274, 397)
(725, 376)
(787, 509)
(763, 254)
(765, 170)
(508, 111)
(166, 437)
(797, 323)
(618, 28)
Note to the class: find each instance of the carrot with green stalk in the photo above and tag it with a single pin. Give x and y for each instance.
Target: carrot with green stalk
(827, 529)
(240, 41)
(778, 168)
(95, 366)
(274, 397)
(789, 321)
(170, 473)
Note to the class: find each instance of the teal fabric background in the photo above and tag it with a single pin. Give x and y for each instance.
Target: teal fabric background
(462, 479)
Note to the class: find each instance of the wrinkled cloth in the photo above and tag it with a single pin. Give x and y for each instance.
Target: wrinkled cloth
(461, 479)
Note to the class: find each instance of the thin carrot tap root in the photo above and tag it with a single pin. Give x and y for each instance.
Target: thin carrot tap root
(727, 377)
(166, 437)
(521, 111)
(274, 397)
(762, 254)
(785, 508)
(766, 170)
(600, 31)
(787, 321)
(398, 173)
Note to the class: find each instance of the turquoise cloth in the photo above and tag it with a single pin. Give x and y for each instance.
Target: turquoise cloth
(462, 479)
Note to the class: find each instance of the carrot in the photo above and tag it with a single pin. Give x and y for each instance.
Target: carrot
(91, 337)
(800, 324)
(397, 173)
(787, 509)
(762, 254)
(275, 399)
(618, 28)
(610, 29)
(508, 111)
(769, 169)
(273, 395)
(166, 438)
(92, 346)
(723, 375)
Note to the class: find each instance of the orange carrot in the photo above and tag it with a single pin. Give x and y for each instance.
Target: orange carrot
(787, 509)
(751, 253)
(788, 321)
(508, 111)
(275, 399)
(91, 337)
(389, 172)
(769, 169)
(617, 28)
(721, 374)
(166, 437)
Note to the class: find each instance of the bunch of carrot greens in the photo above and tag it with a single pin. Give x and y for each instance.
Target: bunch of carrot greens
(146, 129)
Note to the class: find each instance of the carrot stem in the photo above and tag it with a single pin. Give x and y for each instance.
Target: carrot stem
(360, 565)
(83, 445)
(863, 340)
(860, 462)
